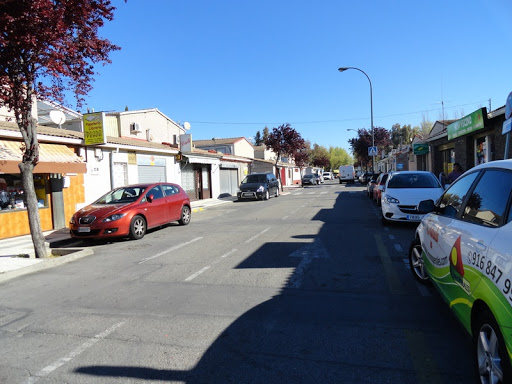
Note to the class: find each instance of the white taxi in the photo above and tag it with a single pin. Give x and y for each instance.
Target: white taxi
(464, 247)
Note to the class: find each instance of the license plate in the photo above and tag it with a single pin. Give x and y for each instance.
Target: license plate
(84, 229)
(413, 217)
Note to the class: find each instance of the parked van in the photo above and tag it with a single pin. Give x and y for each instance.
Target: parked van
(347, 174)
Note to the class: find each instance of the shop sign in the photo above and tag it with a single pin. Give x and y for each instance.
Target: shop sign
(94, 128)
(420, 149)
(132, 158)
(151, 160)
(470, 123)
(186, 143)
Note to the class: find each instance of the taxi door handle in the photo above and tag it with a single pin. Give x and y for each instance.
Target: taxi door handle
(481, 246)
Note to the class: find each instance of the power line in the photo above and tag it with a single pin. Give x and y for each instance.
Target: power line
(332, 121)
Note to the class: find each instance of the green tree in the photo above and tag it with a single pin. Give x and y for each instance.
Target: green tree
(258, 140)
(320, 156)
(265, 134)
(339, 156)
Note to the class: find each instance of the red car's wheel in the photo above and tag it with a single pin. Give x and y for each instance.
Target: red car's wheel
(137, 227)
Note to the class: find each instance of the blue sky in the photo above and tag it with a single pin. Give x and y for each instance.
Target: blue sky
(230, 68)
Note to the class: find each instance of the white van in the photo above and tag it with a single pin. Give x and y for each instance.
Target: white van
(347, 174)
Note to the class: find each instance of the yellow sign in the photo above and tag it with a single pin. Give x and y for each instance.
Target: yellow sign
(132, 158)
(94, 128)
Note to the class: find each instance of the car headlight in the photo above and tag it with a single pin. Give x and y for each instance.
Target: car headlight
(261, 188)
(114, 217)
(391, 200)
(72, 221)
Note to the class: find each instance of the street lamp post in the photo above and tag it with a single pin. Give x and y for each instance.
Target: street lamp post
(343, 69)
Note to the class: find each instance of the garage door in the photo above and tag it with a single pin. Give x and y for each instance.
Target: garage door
(151, 174)
(228, 182)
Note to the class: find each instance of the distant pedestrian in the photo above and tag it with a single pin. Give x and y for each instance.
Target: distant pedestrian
(457, 171)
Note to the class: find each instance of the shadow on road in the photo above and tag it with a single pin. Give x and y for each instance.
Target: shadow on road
(334, 321)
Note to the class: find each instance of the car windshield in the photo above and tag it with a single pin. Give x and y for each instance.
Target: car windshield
(255, 179)
(413, 180)
(308, 176)
(121, 195)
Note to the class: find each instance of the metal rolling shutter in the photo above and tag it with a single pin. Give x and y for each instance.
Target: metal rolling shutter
(228, 181)
(151, 174)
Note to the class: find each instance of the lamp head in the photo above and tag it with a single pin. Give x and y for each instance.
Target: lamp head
(343, 69)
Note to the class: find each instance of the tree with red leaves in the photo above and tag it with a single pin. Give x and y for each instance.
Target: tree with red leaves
(302, 158)
(363, 141)
(284, 141)
(47, 48)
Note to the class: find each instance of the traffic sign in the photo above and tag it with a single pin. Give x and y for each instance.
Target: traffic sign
(507, 126)
(373, 151)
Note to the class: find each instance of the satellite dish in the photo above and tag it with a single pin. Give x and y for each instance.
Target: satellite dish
(58, 117)
(186, 125)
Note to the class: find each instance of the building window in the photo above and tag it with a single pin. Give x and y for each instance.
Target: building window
(12, 194)
(481, 150)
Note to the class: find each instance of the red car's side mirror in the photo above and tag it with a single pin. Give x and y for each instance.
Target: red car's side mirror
(150, 198)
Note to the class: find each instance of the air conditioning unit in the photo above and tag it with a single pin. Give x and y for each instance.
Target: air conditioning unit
(135, 127)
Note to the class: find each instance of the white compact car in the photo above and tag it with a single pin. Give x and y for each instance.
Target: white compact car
(404, 190)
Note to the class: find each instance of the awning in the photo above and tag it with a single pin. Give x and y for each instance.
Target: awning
(53, 158)
(201, 160)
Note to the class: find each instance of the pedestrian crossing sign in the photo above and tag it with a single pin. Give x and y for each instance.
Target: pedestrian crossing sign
(372, 151)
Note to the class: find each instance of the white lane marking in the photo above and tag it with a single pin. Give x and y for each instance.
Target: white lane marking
(170, 250)
(311, 193)
(197, 273)
(257, 235)
(307, 253)
(324, 192)
(229, 253)
(298, 193)
(284, 218)
(398, 247)
(191, 277)
(391, 237)
(63, 360)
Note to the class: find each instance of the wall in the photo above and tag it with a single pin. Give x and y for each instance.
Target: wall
(160, 128)
(244, 148)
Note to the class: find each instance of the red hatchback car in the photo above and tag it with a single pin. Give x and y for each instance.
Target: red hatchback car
(132, 210)
(379, 187)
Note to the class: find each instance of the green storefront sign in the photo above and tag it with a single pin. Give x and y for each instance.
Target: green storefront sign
(470, 123)
(420, 149)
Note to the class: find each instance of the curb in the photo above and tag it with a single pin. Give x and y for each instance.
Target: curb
(66, 255)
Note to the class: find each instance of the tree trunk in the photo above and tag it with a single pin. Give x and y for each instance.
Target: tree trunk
(279, 178)
(30, 158)
(34, 220)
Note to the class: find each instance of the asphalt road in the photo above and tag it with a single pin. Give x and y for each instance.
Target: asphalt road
(308, 287)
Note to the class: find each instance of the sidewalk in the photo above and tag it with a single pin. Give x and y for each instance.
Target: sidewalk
(17, 253)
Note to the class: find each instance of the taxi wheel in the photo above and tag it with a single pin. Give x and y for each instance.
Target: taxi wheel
(137, 228)
(186, 215)
(416, 262)
(491, 358)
